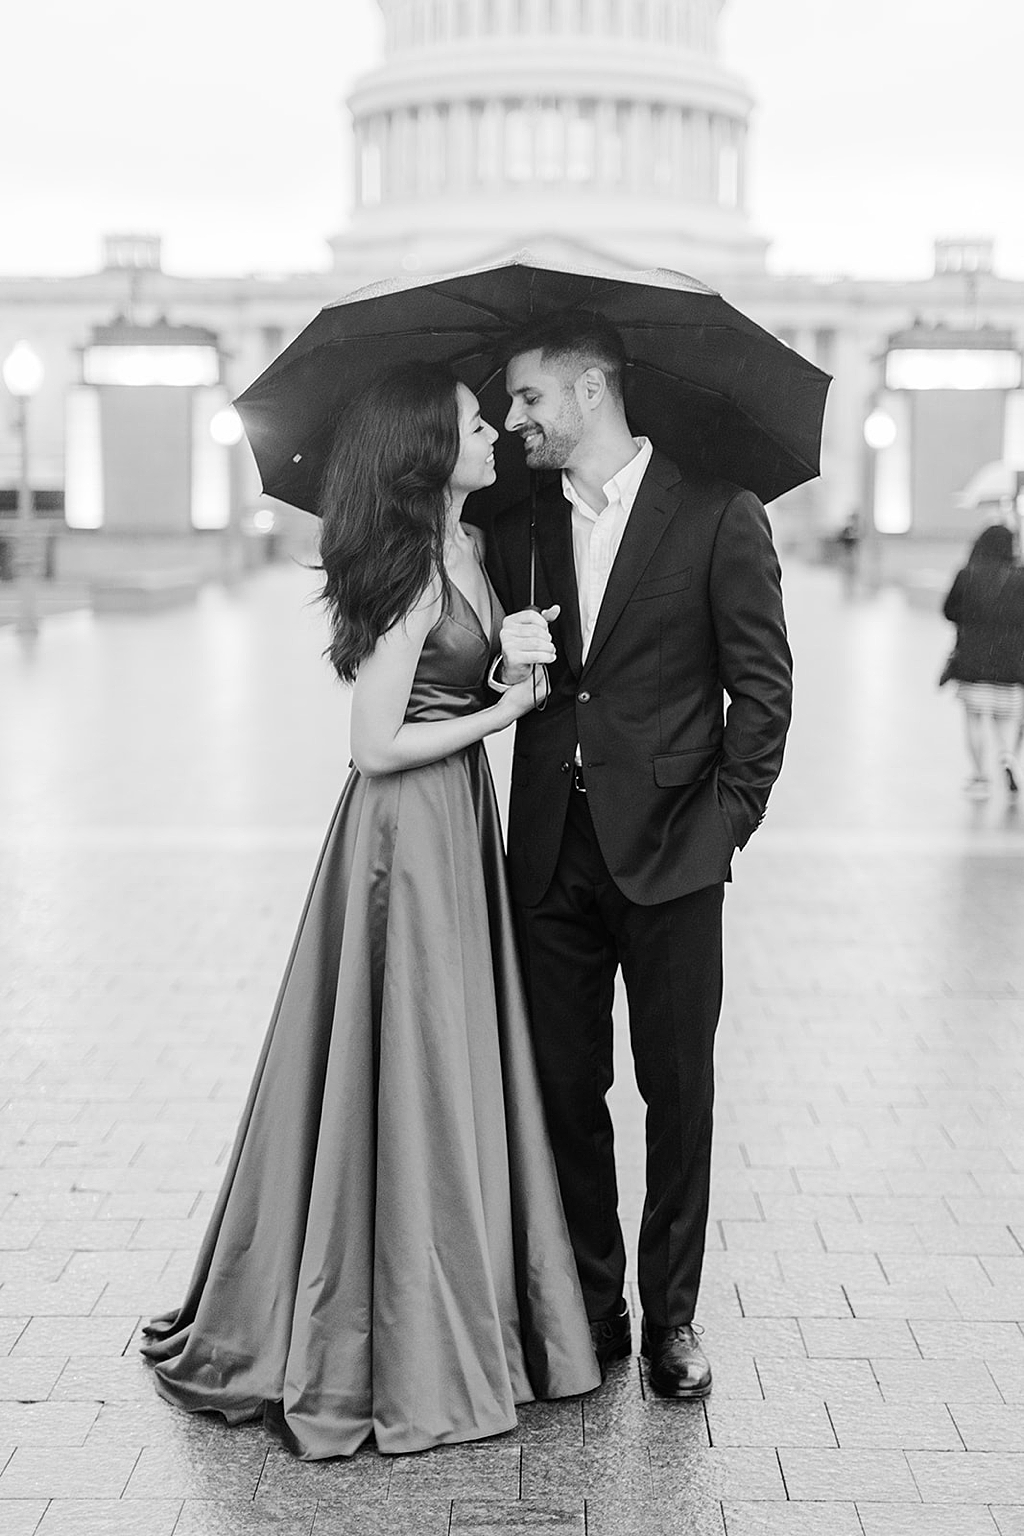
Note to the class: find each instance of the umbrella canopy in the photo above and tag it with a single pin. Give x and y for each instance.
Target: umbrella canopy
(998, 481)
(712, 389)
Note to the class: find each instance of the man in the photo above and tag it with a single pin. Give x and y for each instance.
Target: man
(631, 790)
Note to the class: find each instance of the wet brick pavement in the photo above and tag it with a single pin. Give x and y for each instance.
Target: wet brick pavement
(164, 782)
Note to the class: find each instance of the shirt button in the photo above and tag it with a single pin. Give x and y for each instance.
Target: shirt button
(584, 698)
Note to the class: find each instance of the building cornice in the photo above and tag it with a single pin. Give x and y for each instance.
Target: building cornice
(516, 73)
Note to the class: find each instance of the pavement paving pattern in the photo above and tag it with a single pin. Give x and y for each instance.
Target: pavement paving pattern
(164, 782)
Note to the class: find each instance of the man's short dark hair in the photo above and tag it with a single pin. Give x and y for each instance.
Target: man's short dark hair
(579, 341)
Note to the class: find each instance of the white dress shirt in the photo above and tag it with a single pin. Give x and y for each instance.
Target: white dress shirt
(596, 536)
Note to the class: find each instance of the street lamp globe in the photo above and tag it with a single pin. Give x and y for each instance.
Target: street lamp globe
(22, 371)
(879, 429)
(226, 427)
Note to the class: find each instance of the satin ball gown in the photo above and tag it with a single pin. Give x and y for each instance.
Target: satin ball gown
(388, 1254)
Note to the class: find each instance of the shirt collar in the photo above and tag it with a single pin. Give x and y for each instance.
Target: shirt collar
(622, 487)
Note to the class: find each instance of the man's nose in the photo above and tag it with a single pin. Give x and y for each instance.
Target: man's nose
(514, 417)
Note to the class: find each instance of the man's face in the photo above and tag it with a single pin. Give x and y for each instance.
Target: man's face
(544, 411)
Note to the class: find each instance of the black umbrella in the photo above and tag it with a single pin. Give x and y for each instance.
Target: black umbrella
(712, 389)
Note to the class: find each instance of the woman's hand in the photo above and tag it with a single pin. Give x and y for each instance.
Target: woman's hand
(522, 697)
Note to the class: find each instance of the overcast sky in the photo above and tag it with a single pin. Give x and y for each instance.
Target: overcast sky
(220, 125)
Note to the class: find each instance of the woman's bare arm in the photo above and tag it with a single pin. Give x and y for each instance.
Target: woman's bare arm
(381, 740)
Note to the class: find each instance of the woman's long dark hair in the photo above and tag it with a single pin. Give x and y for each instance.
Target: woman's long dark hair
(384, 504)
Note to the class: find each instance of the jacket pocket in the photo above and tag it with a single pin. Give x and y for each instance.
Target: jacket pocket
(663, 586)
(675, 768)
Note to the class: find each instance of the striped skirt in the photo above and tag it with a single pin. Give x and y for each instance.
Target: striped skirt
(1004, 701)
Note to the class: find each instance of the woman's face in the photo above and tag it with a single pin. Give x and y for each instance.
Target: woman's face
(474, 467)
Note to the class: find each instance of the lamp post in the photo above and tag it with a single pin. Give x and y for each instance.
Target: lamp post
(879, 433)
(23, 376)
(226, 429)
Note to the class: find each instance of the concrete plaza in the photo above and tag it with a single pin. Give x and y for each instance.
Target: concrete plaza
(164, 782)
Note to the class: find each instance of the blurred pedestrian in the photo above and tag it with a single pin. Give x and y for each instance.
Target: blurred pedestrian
(986, 603)
(389, 1253)
(848, 540)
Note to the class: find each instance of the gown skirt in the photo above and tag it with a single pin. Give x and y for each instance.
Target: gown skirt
(388, 1253)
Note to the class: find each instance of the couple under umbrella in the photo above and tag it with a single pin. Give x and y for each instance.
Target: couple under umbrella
(418, 1227)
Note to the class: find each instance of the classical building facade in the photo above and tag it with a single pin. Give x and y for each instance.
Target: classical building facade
(607, 130)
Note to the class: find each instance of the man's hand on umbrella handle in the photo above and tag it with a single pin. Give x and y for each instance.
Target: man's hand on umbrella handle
(526, 642)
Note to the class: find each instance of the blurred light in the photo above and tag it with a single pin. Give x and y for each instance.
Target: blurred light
(211, 466)
(892, 498)
(879, 430)
(23, 371)
(892, 505)
(83, 460)
(952, 368)
(226, 427)
(263, 520)
(140, 367)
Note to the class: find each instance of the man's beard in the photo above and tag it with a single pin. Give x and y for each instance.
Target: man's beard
(554, 446)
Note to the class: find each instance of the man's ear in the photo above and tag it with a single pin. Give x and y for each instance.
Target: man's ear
(594, 386)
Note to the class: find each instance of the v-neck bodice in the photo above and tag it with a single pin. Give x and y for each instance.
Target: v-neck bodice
(451, 674)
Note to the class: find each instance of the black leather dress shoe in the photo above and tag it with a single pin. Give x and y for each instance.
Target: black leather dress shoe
(611, 1337)
(678, 1365)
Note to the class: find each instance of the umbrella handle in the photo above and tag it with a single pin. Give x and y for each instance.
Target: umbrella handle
(540, 705)
(533, 541)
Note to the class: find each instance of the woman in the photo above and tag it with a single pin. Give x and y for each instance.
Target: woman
(388, 1253)
(986, 603)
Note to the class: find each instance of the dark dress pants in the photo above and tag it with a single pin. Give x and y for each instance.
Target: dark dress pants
(573, 942)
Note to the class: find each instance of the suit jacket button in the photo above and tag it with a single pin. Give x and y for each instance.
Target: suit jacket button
(564, 767)
(584, 698)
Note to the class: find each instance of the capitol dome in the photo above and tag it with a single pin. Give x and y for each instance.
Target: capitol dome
(605, 127)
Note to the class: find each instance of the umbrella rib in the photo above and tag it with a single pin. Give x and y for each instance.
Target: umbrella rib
(489, 379)
(475, 304)
(615, 285)
(681, 378)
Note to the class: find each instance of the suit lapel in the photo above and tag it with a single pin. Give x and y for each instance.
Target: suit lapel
(554, 554)
(656, 501)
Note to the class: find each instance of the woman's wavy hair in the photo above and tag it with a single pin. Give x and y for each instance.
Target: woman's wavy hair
(384, 505)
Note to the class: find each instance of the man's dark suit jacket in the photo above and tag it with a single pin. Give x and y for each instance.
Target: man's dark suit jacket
(693, 610)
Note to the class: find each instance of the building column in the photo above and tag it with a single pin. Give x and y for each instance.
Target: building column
(489, 170)
(460, 147)
(715, 142)
(426, 159)
(741, 166)
(637, 140)
(646, 146)
(608, 148)
(402, 175)
(704, 180)
(384, 136)
(676, 149)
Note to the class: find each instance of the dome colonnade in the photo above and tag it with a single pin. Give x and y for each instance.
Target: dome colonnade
(501, 118)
